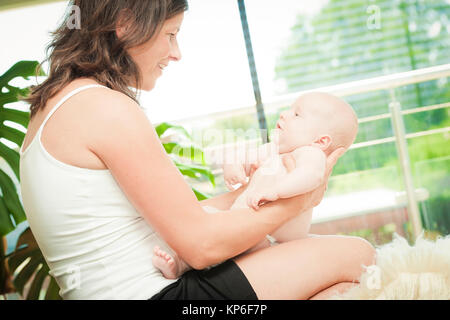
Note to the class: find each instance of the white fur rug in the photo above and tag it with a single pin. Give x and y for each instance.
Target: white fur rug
(404, 272)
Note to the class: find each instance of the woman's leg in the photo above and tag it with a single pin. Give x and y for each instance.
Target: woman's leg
(302, 268)
(334, 289)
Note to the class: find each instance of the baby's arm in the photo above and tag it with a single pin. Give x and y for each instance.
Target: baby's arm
(270, 184)
(236, 169)
(307, 176)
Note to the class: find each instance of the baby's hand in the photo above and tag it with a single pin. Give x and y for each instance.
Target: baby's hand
(234, 174)
(255, 197)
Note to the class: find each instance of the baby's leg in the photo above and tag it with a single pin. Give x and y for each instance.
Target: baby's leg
(170, 266)
(296, 228)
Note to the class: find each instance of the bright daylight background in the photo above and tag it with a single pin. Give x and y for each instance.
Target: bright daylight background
(213, 74)
(303, 45)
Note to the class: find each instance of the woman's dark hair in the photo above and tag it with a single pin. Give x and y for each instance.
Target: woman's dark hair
(94, 49)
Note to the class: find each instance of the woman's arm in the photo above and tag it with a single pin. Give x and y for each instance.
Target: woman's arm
(225, 200)
(234, 231)
(122, 136)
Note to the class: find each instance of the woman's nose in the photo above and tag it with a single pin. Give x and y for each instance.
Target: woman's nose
(175, 53)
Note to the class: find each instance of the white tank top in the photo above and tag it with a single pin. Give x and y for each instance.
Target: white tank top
(95, 242)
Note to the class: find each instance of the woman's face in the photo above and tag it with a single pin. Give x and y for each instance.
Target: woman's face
(153, 56)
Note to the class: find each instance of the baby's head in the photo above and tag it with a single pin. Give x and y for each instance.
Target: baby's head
(318, 119)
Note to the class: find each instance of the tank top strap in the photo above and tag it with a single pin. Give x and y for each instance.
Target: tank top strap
(64, 99)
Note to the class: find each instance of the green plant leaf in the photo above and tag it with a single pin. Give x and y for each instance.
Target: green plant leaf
(12, 134)
(6, 285)
(163, 127)
(20, 117)
(24, 69)
(11, 198)
(6, 225)
(28, 256)
(200, 195)
(10, 205)
(8, 97)
(36, 286)
(21, 279)
(13, 95)
(196, 172)
(190, 152)
(52, 291)
(12, 157)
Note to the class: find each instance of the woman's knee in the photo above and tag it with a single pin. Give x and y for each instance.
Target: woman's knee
(362, 253)
(366, 251)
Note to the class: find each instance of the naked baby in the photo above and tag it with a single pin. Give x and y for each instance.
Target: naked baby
(305, 135)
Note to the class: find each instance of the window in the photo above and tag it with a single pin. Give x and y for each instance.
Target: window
(336, 42)
(213, 74)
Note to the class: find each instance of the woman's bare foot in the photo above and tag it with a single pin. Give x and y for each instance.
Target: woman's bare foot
(170, 267)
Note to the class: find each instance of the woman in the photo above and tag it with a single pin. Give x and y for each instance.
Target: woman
(100, 192)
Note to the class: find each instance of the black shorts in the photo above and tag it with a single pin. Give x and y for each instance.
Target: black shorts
(223, 282)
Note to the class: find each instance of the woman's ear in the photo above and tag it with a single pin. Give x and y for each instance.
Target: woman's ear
(123, 24)
(120, 31)
(324, 142)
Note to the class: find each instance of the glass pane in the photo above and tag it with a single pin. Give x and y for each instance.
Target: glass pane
(270, 27)
(213, 133)
(209, 91)
(351, 40)
(213, 74)
(335, 42)
(433, 175)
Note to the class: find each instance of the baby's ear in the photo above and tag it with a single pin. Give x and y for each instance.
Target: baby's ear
(324, 142)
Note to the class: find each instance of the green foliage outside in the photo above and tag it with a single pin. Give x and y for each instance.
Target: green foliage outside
(342, 43)
(337, 45)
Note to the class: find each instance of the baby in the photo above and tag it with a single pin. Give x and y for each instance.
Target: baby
(306, 134)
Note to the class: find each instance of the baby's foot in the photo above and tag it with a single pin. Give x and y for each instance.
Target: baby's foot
(165, 263)
(170, 266)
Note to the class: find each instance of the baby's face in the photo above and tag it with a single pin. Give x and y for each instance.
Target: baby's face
(318, 119)
(298, 126)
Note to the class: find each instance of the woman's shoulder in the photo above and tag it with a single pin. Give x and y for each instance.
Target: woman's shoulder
(101, 95)
(109, 115)
(104, 110)
(101, 102)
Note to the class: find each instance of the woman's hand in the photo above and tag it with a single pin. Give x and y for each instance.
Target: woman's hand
(311, 199)
(317, 195)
